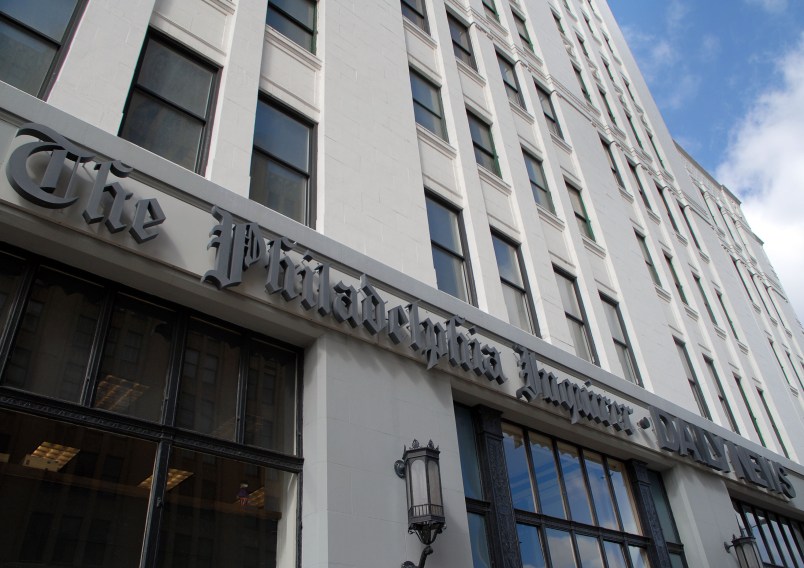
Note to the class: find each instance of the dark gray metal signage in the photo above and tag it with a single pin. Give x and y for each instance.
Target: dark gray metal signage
(107, 201)
(241, 245)
(676, 435)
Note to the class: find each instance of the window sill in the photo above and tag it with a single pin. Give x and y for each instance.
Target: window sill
(743, 347)
(523, 113)
(704, 256)
(561, 143)
(663, 294)
(293, 49)
(226, 6)
(471, 73)
(682, 239)
(793, 390)
(419, 33)
(624, 192)
(551, 218)
(436, 142)
(614, 131)
(593, 247)
(653, 216)
(691, 312)
(719, 331)
(494, 179)
(530, 57)
(757, 309)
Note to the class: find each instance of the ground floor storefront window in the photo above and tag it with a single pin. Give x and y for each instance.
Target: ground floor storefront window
(780, 540)
(134, 432)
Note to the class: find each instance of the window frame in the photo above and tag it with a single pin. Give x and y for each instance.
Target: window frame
(311, 208)
(769, 416)
(463, 53)
(479, 147)
(583, 322)
(643, 247)
(436, 90)
(535, 187)
(615, 171)
(709, 363)
(706, 304)
(524, 287)
(676, 281)
(463, 256)
(582, 219)
(272, 7)
(667, 209)
(632, 167)
(202, 153)
(512, 90)
(521, 25)
(550, 117)
(692, 379)
(626, 345)
(424, 23)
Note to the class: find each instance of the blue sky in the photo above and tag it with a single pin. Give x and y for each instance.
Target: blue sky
(728, 77)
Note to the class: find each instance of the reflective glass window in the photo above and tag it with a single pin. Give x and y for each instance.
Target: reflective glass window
(295, 19)
(461, 42)
(415, 11)
(479, 541)
(485, 155)
(574, 484)
(551, 501)
(561, 551)
(427, 105)
(518, 471)
(447, 247)
(538, 182)
(530, 546)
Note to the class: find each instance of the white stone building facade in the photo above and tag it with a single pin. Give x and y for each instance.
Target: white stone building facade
(249, 252)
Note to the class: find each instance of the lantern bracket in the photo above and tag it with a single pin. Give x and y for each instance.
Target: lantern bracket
(428, 550)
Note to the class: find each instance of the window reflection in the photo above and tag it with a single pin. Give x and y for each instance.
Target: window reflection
(517, 461)
(530, 546)
(589, 551)
(575, 487)
(547, 482)
(560, 545)
(599, 488)
(479, 541)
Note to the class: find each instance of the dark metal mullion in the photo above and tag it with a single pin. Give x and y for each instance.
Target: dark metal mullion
(170, 103)
(282, 162)
(16, 312)
(156, 504)
(590, 497)
(26, 28)
(534, 488)
(98, 344)
(293, 19)
(242, 386)
(560, 472)
(448, 251)
(438, 116)
(174, 369)
(613, 494)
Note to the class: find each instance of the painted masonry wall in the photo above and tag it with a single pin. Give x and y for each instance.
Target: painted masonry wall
(372, 165)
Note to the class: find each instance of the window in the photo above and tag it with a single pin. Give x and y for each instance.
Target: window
(607, 65)
(414, 10)
(491, 9)
(668, 524)
(446, 239)
(667, 209)
(689, 226)
(281, 163)
(779, 361)
(582, 85)
(522, 30)
(187, 381)
(780, 540)
(754, 422)
(697, 393)
(576, 319)
(461, 44)
(643, 247)
(605, 100)
(655, 149)
(485, 155)
(427, 105)
(630, 120)
(769, 416)
(612, 164)
(721, 394)
(294, 19)
(33, 38)
(705, 300)
(579, 210)
(538, 182)
(559, 25)
(676, 281)
(582, 43)
(549, 112)
(792, 366)
(621, 344)
(169, 109)
(727, 316)
(511, 82)
(517, 298)
(640, 187)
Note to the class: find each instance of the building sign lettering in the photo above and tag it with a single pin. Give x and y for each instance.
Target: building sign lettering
(107, 200)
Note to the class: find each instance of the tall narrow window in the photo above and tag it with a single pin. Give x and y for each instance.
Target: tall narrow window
(491, 9)
(582, 85)
(415, 11)
(281, 163)
(579, 210)
(427, 105)
(695, 387)
(721, 394)
(446, 238)
(779, 362)
(639, 186)
(739, 382)
(33, 37)
(549, 112)
(676, 281)
(643, 247)
(576, 319)
(630, 120)
(726, 315)
(510, 81)
(655, 149)
(169, 109)
(559, 25)
(705, 300)
(582, 43)
(769, 416)
(522, 30)
(606, 104)
(461, 43)
(621, 344)
(294, 19)
(485, 155)
(612, 164)
(517, 299)
(792, 366)
(689, 226)
(538, 182)
(667, 209)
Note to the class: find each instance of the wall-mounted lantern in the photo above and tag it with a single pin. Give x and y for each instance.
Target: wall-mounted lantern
(420, 469)
(745, 548)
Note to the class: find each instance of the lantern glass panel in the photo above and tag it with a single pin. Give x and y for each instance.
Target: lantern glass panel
(434, 482)
(418, 482)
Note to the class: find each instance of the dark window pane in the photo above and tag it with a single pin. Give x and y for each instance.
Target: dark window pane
(71, 496)
(544, 465)
(49, 17)
(468, 450)
(282, 136)
(443, 224)
(173, 76)
(24, 59)
(461, 43)
(677, 561)
(271, 399)
(220, 512)
(755, 532)
(599, 488)
(163, 130)
(289, 28)
(208, 387)
(516, 305)
(639, 557)
(11, 269)
(614, 554)
(580, 339)
(662, 505)
(623, 496)
(577, 496)
(136, 357)
(414, 11)
(427, 105)
(479, 541)
(303, 11)
(560, 545)
(589, 551)
(450, 276)
(569, 298)
(507, 261)
(280, 188)
(518, 474)
(51, 348)
(530, 546)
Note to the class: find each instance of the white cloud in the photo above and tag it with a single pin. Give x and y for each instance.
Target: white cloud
(772, 6)
(764, 165)
(710, 47)
(682, 91)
